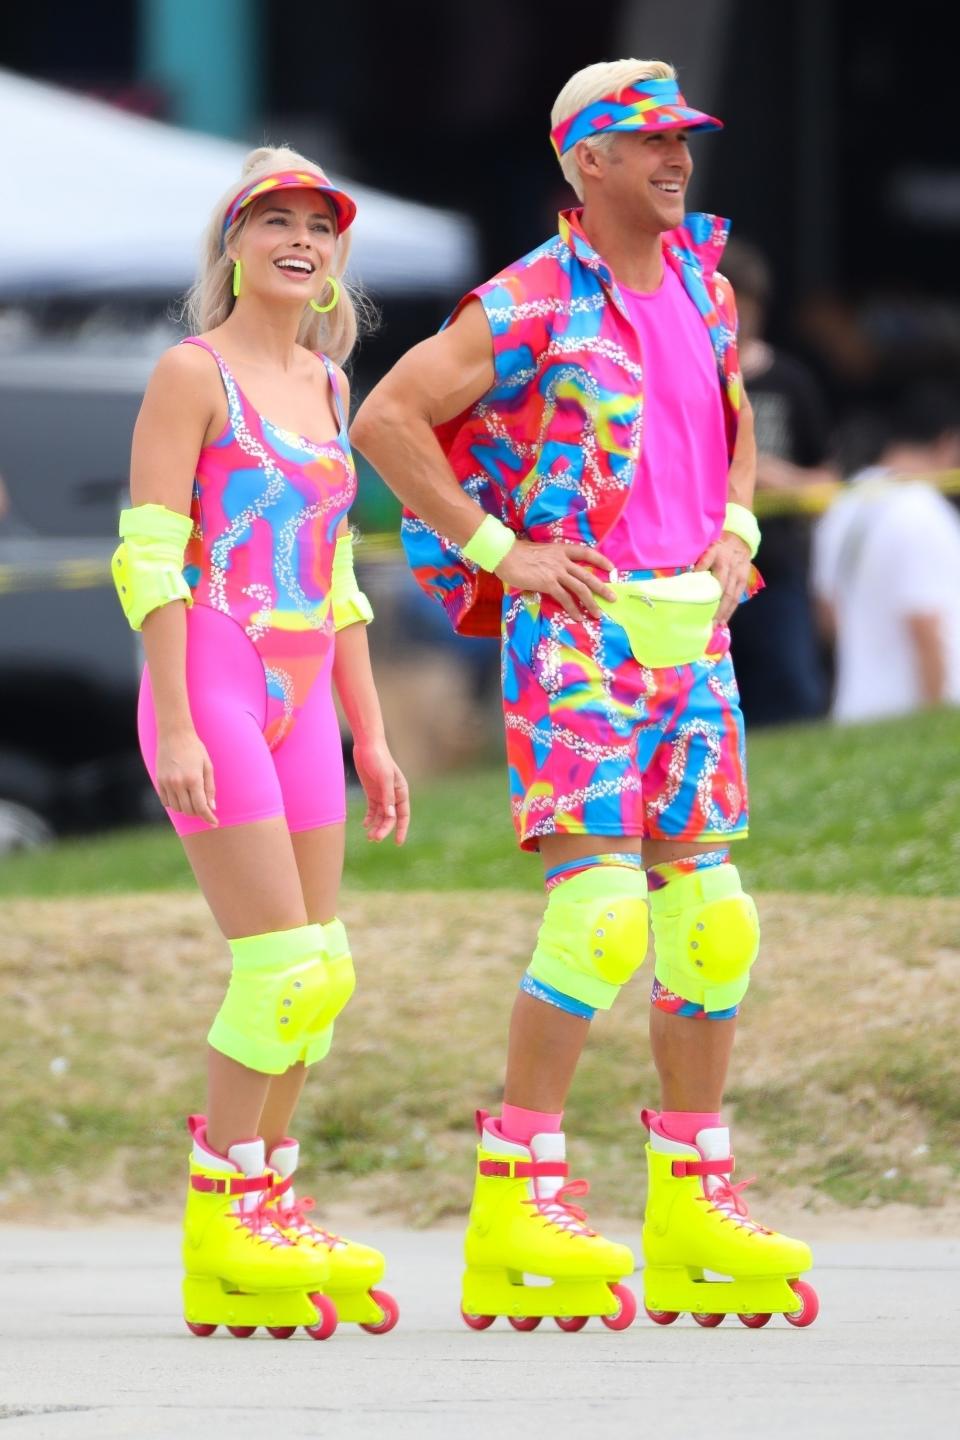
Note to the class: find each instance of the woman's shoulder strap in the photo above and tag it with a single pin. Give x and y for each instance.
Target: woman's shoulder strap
(334, 378)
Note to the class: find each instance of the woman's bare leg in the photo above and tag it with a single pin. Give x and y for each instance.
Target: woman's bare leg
(249, 878)
(319, 857)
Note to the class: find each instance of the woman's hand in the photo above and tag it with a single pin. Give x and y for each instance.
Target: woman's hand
(728, 559)
(388, 798)
(559, 570)
(185, 775)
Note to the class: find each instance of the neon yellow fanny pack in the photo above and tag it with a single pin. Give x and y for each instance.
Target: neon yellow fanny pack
(669, 619)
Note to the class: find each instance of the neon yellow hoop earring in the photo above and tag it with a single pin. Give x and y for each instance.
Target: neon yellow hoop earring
(237, 275)
(325, 309)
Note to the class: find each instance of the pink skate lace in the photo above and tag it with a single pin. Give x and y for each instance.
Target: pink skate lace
(559, 1211)
(294, 1216)
(727, 1199)
(262, 1223)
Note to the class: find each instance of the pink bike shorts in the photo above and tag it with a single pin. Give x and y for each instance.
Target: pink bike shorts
(302, 779)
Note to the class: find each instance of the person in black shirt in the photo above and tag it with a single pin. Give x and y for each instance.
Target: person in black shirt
(780, 668)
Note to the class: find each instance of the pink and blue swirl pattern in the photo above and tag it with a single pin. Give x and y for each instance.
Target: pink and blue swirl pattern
(266, 508)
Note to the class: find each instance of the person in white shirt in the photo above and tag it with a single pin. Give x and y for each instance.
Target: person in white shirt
(886, 568)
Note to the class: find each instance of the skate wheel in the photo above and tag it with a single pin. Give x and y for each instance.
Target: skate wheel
(477, 1322)
(754, 1322)
(327, 1322)
(627, 1313)
(391, 1313)
(709, 1322)
(571, 1323)
(524, 1322)
(662, 1317)
(809, 1308)
(242, 1332)
(281, 1332)
(202, 1330)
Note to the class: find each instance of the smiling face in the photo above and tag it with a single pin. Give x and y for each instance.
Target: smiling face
(287, 246)
(644, 176)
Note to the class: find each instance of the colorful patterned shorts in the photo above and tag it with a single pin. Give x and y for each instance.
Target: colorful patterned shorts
(597, 744)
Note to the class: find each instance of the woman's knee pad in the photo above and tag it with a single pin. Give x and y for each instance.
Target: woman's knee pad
(706, 935)
(594, 934)
(285, 990)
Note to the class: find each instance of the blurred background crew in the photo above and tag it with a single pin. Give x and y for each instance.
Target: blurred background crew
(780, 667)
(886, 567)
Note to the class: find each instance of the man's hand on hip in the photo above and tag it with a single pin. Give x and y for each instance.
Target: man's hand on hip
(559, 570)
(729, 560)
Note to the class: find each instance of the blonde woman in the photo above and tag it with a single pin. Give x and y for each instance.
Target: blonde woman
(236, 561)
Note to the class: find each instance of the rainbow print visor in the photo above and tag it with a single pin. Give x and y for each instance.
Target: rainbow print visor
(644, 105)
(344, 208)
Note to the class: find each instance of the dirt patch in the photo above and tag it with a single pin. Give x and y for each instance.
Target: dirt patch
(845, 1091)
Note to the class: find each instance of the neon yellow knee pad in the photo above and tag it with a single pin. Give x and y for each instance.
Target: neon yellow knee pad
(594, 934)
(707, 933)
(284, 993)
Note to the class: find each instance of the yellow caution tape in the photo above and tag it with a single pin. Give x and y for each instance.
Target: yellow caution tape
(378, 546)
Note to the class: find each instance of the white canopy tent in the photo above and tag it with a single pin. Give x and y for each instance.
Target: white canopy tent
(96, 201)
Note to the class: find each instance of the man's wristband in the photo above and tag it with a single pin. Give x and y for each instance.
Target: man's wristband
(489, 543)
(742, 522)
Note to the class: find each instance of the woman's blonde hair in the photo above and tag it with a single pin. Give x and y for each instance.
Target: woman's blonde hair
(595, 82)
(211, 298)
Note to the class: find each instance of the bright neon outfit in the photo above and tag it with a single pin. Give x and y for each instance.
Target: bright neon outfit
(596, 742)
(260, 634)
(552, 449)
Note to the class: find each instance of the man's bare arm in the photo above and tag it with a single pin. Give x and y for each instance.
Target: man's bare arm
(436, 381)
(743, 467)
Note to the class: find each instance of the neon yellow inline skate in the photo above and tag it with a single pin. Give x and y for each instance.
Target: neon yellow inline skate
(240, 1269)
(698, 1222)
(354, 1269)
(523, 1223)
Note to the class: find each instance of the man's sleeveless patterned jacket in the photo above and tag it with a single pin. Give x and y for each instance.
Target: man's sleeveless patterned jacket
(552, 448)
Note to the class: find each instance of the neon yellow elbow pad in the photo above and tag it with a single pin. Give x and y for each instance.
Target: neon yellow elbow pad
(148, 565)
(350, 605)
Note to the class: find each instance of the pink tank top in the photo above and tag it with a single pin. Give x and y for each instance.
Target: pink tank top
(677, 502)
(266, 507)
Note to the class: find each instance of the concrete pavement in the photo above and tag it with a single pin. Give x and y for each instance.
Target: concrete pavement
(92, 1345)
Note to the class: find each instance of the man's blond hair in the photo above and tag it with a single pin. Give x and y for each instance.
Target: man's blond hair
(594, 82)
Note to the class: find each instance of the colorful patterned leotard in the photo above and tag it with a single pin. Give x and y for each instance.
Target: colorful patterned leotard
(266, 507)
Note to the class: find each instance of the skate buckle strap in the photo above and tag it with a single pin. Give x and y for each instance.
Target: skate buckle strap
(682, 1168)
(279, 1187)
(229, 1184)
(524, 1169)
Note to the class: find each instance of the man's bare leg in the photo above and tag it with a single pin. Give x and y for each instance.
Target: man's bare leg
(692, 1055)
(545, 1042)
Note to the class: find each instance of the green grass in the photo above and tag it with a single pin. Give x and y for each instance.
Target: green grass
(865, 810)
(838, 1100)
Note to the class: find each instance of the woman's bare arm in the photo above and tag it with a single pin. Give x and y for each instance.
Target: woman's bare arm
(177, 410)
